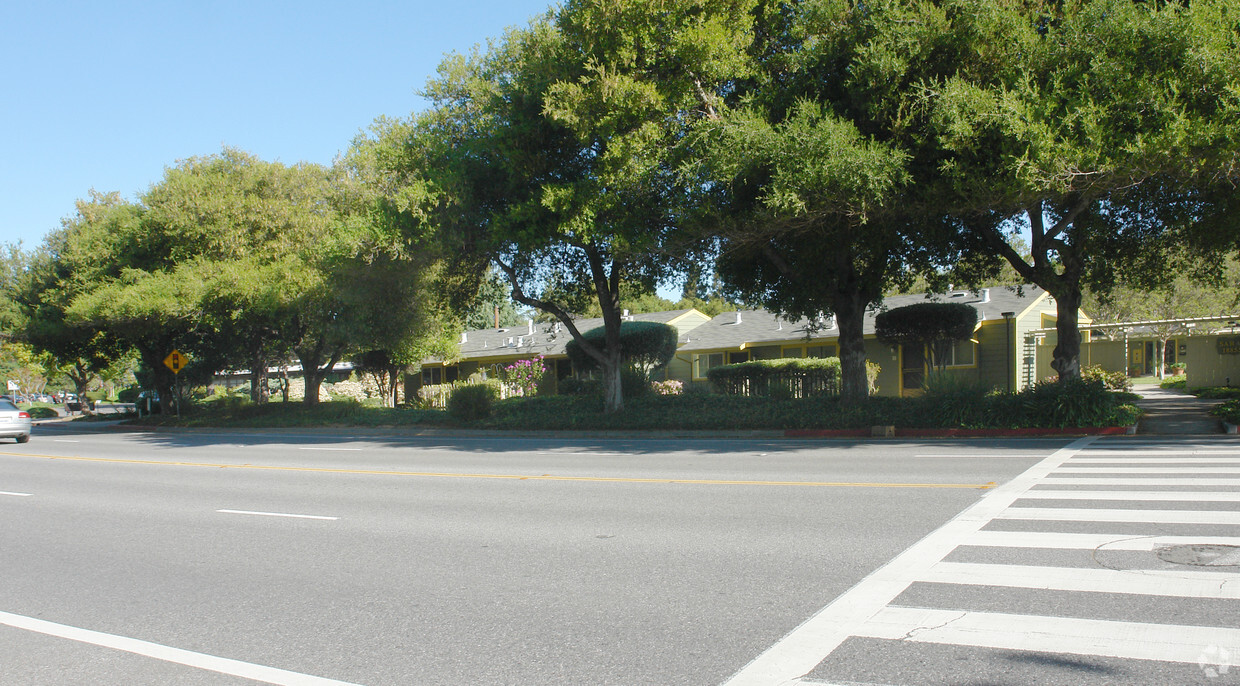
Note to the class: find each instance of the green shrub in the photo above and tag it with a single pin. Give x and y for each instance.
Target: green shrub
(43, 413)
(958, 401)
(1115, 381)
(1077, 402)
(128, 395)
(634, 383)
(473, 402)
(574, 386)
(1217, 393)
(794, 377)
(1228, 411)
(1178, 383)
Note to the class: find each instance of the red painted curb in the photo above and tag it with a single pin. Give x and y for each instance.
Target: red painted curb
(963, 433)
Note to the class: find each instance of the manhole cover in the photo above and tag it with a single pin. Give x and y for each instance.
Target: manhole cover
(1201, 555)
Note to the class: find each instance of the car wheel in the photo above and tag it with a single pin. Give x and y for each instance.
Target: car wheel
(23, 439)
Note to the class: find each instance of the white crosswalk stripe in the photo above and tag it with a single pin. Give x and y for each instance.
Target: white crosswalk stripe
(868, 612)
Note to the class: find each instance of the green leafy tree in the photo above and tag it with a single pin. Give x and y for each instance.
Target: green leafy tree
(1106, 129)
(818, 208)
(492, 308)
(550, 153)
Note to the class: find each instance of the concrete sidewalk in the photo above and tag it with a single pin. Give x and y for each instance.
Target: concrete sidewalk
(1175, 413)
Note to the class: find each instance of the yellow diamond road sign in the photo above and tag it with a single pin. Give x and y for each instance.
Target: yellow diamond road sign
(176, 361)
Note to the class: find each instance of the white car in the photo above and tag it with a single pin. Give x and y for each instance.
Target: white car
(14, 422)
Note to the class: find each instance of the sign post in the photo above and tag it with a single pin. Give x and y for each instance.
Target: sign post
(176, 361)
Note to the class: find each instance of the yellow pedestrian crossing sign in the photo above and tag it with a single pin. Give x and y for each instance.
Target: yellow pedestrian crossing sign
(176, 361)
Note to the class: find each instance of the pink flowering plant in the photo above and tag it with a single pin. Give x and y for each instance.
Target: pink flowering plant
(669, 387)
(523, 376)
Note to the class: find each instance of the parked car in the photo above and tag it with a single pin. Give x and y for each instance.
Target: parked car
(14, 422)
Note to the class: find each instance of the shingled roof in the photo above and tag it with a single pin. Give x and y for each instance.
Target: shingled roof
(756, 327)
(539, 338)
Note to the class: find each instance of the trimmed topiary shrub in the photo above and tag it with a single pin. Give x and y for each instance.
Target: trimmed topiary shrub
(935, 325)
(644, 345)
(474, 401)
(782, 378)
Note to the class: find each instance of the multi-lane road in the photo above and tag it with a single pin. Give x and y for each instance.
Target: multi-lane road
(319, 558)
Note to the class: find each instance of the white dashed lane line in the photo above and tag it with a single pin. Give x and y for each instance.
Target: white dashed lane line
(277, 514)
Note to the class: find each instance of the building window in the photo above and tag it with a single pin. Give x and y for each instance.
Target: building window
(962, 354)
(809, 351)
(706, 362)
(820, 351)
(432, 376)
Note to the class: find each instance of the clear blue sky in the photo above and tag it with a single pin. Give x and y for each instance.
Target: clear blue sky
(107, 94)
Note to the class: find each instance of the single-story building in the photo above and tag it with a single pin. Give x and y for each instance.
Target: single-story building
(991, 357)
(1208, 347)
(997, 355)
(490, 350)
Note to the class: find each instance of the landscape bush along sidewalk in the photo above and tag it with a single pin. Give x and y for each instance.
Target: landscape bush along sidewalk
(1228, 411)
(944, 406)
(1045, 405)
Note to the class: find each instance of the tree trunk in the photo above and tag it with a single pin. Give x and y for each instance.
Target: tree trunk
(613, 395)
(314, 379)
(259, 392)
(850, 317)
(1066, 358)
(165, 380)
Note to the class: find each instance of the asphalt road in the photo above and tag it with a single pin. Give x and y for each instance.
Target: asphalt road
(220, 558)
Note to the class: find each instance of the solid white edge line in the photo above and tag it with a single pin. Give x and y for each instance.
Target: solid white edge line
(276, 514)
(19, 495)
(223, 665)
(1073, 636)
(334, 450)
(796, 654)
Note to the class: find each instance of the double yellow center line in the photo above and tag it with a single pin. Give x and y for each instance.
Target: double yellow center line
(514, 477)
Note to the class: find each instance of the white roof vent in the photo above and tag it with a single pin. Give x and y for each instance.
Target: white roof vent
(985, 295)
(738, 317)
(464, 337)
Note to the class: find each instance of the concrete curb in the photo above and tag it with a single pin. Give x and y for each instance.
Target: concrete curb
(634, 434)
(1029, 432)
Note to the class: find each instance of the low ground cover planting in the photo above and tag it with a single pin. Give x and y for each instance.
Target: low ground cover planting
(1228, 411)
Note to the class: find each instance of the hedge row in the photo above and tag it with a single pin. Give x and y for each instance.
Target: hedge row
(781, 378)
(1080, 404)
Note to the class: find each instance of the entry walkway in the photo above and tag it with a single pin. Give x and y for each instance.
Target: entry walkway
(1175, 413)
